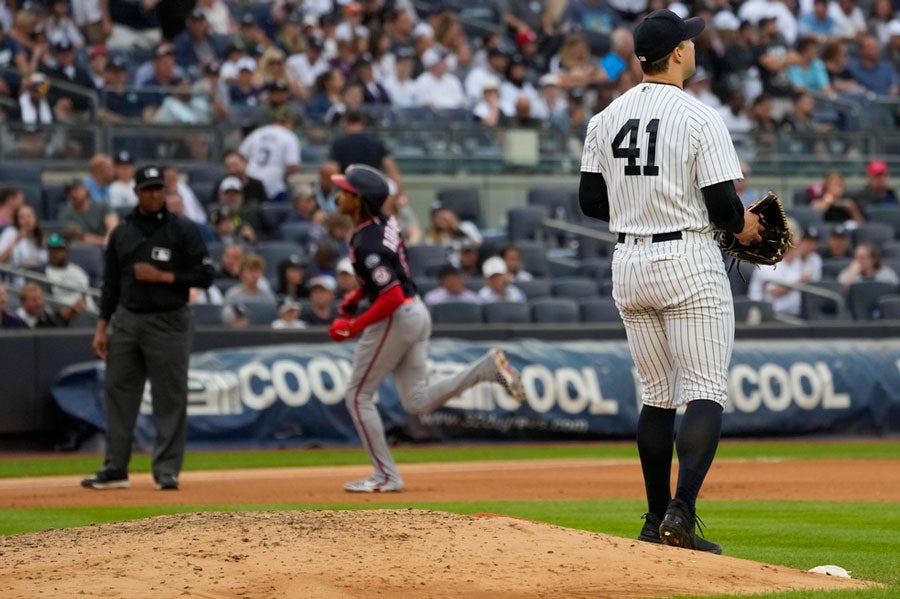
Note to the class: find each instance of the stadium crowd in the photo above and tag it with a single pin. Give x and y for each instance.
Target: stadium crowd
(333, 70)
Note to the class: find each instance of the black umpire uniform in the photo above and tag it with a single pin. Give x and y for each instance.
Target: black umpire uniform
(153, 259)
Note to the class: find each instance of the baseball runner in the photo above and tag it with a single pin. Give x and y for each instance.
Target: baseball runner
(393, 331)
(660, 167)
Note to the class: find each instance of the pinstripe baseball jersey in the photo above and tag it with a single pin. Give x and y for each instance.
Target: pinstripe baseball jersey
(656, 146)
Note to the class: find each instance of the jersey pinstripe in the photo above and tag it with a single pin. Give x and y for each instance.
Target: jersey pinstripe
(656, 146)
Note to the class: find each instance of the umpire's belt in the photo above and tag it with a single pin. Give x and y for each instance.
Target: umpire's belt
(657, 237)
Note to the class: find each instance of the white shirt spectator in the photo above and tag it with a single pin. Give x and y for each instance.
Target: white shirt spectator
(70, 274)
(474, 84)
(510, 294)
(121, 194)
(509, 94)
(754, 10)
(269, 151)
(847, 26)
(437, 87)
(25, 252)
(305, 72)
(193, 209)
(766, 278)
(402, 93)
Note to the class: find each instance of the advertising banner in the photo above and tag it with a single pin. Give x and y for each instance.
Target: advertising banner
(293, 395)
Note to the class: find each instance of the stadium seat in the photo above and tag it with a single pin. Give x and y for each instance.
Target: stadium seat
(889, 306)
(524, 222)
(274, 215)
(88, 256)
(84, 320)
(456, 313)
(806, 216)
(424, 260)
(207, 314)
(554, 309)
(890, 249)
(533, 258)
(274, 252)
(877, 233)
(574, 287)
(54, 196)
(597, 269)
(888, 215)
(15, 174)
(862, 298)
(599, 309)
(535, 288)
(197, 172)
(747, 311)
(215, 249)
(261, 313)
(464, 202)
(820, 307)
(296, 232)
(560, 202)
(500, 312)
(832, 267)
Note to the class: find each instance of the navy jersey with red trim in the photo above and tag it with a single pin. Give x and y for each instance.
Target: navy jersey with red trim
(379, 258)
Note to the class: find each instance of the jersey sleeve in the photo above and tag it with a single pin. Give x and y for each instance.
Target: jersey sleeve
(717, 160)
(292, 153)
(590, 156)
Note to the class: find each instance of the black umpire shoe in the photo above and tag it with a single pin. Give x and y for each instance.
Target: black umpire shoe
(106, 479)
(167, 482)
(677, 529)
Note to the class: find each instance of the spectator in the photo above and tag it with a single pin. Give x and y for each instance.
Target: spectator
(801, 264)
(305, 68)
(273, 153)
(497, 287)
(818, 23)
(806, 131)
(211, 87)
(437, 87)
(32, 309)
(60, 271)
(132, 26)
(451, 288)
(832, 202)
(338, 230)
(758, 11)
(849, 19)
(12, 56)
(175, 205)
(290, 278)
(357, 146)
(324, 190)
(212, 296)
(469, 259)
(236, 166)
(515, 86)
(494, 70)
(773, 56)
(809, 72)
(699, 87)
(90, 17)
(765, 127)
(325, 258)
(8, 320)
(10, 200)
(522, 116)
(121, 190)
(594, 18)
(218, 16)
(160, 74)
(288, 316)
(34, 107)
(101, 173)
(373, 91)
(574, 64)
(306, 208)
(873, 72)
(175, 183)
(84, 220)
(553, 101)
(734, 113)
(447, 231)
(120, 103)
(351, 100)
(881, 15)
(326, 94)
(98, 59)
(487, 111)
(230, 228)
(398, 206)
(22, 244)
(248, 291)
(346, 277)
(840, 79)
(876, 192)
(838, 245)
(321, 309)
(399, 84)
(183, 107)
(68, 71)
(230, 264)
(196, 46)
(867, 266)
(512, 256)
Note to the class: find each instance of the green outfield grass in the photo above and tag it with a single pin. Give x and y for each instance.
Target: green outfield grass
(861, 537)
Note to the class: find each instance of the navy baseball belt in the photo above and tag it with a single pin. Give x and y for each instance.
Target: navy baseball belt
(657, 237)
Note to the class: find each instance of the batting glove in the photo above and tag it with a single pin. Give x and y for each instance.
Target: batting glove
(342, 329)
(350, 303)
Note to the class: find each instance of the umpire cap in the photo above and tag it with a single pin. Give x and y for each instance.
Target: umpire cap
(366, 182)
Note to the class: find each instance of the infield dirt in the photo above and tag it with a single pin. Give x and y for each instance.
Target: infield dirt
(402, 553)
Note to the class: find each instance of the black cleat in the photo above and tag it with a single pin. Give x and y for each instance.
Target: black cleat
(650, 532)
(106, 479)
(677, 529)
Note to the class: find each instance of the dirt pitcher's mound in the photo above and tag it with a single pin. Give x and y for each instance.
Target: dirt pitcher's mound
(380, 553)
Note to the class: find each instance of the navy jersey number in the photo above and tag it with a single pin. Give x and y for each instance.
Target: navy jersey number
(632, 152)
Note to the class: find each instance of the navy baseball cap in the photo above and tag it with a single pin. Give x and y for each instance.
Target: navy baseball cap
(149, 176)
(661, 31)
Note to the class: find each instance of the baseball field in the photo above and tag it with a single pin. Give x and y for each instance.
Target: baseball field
(495, 521)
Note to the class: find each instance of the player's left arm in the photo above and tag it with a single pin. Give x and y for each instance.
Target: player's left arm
(593, 197)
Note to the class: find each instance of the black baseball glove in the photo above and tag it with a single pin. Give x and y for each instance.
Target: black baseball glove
(776, 239)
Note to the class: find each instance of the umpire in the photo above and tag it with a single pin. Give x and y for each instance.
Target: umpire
(153, 259)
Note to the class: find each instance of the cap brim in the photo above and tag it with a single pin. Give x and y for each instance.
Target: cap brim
(693, 27)
(341, 181)
(152, 183)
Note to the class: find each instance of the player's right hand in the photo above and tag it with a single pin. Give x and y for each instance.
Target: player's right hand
(100, 345)
(752, 229)
(340, 330)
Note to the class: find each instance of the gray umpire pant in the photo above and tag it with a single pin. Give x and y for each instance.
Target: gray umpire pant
(157, 347)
